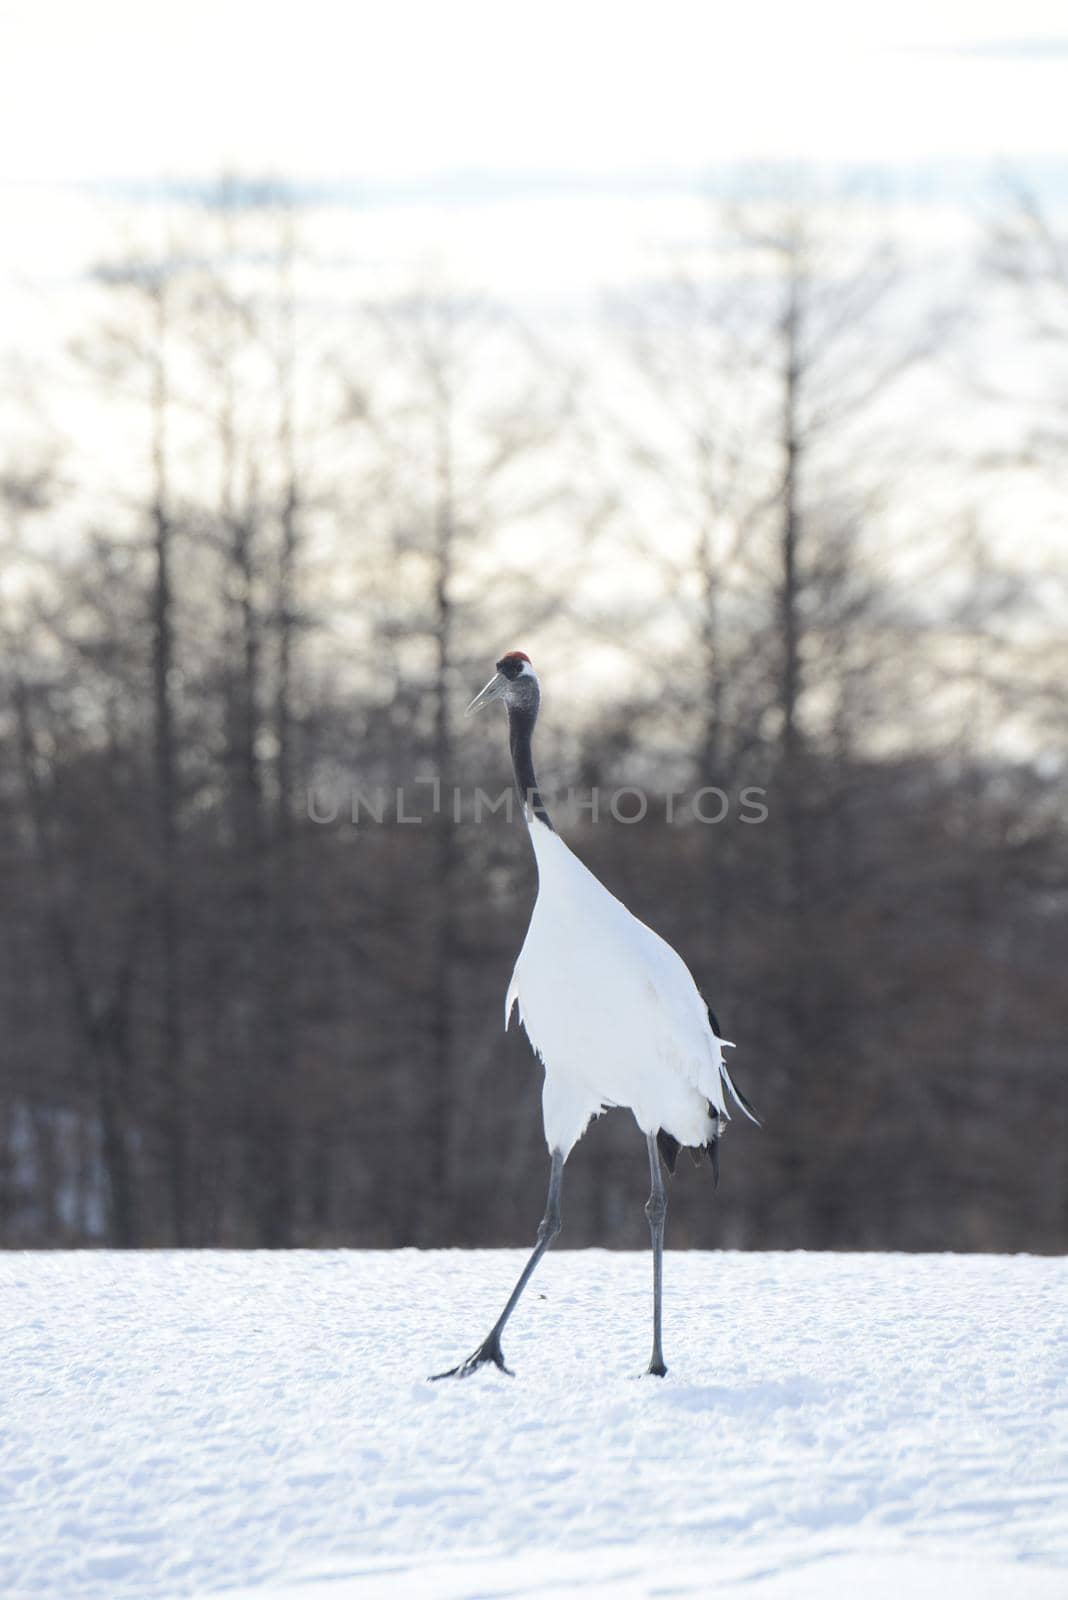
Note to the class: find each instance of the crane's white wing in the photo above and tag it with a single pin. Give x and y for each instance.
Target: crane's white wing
(611, 1009)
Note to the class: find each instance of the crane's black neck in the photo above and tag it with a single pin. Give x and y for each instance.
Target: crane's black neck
(521, 719)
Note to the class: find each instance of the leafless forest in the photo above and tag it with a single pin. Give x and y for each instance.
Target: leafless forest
(736, 527)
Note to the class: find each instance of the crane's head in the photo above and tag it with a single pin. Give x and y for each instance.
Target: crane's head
(515, 682)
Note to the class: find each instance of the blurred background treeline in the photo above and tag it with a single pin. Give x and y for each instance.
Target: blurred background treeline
(783, 514)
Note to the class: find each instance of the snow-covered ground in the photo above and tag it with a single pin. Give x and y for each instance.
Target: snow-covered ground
(180, 1424)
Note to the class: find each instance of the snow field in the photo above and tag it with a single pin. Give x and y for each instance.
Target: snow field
(185, 1423)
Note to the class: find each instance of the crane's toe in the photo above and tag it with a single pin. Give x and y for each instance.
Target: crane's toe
(489, 1350)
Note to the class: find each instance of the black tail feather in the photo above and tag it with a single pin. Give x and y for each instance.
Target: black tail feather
(737, 1093)
(669, 1149)
(712, 1152)
(744, 1103)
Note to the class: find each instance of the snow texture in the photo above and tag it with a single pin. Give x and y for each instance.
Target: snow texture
(181, 1424)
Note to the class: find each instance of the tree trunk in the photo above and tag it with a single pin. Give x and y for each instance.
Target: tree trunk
(168, 924)
(440, 1099)
(280, 951)
(791, 777)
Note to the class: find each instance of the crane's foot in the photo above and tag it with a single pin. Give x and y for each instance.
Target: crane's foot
(656, 1368)
(488, 1350)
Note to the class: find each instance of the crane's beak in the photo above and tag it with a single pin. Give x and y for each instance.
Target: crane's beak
(493, 691)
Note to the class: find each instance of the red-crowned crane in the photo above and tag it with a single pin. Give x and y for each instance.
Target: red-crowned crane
(612, 1012)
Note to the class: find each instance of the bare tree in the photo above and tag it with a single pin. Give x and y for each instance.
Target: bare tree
(463, 468)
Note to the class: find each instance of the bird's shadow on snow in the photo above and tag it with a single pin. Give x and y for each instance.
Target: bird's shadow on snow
(772, 1395)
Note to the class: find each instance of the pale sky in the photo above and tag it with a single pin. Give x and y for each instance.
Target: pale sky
(412, 96)
(403, 89)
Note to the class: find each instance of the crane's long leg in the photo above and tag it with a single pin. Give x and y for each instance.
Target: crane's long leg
(656, 1211)
(548, 1228)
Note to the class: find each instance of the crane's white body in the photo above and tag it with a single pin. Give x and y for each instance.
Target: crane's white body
(611, 1010)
